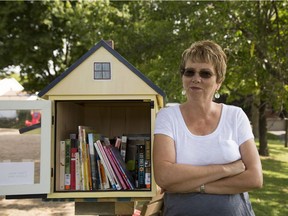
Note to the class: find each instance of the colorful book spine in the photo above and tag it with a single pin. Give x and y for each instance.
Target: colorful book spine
(78, 185)
(118, 143)
(89, 171)
(111, 175)
(83, 158)
(93, 163)
(148, 163)
(104, 178)
(98, 148)
(140, 166)
(127, 174)
(98, 173)
(74, 149)
(62, 165)
(118, 176)
(120, 173)
(67, 164)
(123, 147)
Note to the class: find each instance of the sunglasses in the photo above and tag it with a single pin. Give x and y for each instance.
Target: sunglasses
(205, 74)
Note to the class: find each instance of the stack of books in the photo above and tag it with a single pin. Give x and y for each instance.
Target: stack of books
(89, 162)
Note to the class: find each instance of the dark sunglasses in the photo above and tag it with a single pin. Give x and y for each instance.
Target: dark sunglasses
(205, 74)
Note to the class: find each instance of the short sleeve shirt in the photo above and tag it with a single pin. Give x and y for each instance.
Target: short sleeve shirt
(219, 147)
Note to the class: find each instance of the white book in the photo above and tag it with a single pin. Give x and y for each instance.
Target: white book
(78, 185)
(62, 165)
(98, 146)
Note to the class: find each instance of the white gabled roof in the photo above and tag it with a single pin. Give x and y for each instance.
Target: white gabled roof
(10, 86)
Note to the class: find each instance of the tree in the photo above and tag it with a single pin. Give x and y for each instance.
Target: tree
(263, 25)
(44, 38)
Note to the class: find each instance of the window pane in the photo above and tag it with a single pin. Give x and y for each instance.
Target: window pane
(98, 75)
(106, 67)
(98, 66)
(21, 151)
(106, 75)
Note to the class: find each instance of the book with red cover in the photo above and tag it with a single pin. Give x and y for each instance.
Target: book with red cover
(120, 170)
(115, 167)
(73, 150)
(98, 147)
(108, 164)
(121, 164)
(73, 168)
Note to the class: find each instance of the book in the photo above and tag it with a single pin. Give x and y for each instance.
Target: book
(92, 138)
(73, 151)
(121, 164)
(118, 142)
(148, 163)
(84, 156)
(140, 169)
(110, 162)
(123, 147)
(67, 182)
(98, 147)
(82, 159)
(118, 176)
(89, 172)
(99, 179)
(110, 173)
(78, 184)
(120, 172)
(104, 178)
(131, 152)
(62, 165)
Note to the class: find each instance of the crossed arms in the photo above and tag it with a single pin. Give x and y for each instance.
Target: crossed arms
(237, 177)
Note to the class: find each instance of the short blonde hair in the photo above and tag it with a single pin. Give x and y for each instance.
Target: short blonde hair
(206, 51)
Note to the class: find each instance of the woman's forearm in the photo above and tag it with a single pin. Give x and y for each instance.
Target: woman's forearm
(183, 178)
(246, 181)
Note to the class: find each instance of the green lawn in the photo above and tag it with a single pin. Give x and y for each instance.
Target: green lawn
(272, 199)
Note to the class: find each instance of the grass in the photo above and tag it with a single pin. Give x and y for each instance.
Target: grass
(272, 199)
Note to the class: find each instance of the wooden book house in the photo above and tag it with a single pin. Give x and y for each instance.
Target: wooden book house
(100, 90)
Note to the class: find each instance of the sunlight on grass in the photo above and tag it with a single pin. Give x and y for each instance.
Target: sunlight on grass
(272, 199)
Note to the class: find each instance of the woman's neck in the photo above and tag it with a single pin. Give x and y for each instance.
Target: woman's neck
(197, 109)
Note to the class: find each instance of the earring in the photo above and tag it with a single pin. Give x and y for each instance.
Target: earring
(217, 95)
(183, 92)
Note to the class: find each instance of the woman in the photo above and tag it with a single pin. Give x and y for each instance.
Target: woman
(205, 157)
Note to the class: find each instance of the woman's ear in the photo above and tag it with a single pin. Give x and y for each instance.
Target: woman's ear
(219, 86)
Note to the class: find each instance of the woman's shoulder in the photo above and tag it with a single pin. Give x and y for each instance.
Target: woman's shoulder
(168, 112)
(232, 110)
(169, 109)
(232, 107)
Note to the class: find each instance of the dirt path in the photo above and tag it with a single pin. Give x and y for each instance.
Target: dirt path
(34, 207)
(13, 146)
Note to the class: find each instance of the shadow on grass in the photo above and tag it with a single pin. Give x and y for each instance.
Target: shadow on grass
(272, 199)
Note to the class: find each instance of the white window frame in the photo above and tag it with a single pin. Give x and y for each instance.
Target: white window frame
(43, 187)
(101, 73)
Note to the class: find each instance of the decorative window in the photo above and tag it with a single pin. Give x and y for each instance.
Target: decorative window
(102, 71)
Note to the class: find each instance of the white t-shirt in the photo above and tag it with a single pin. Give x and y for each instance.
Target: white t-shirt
(219, 147)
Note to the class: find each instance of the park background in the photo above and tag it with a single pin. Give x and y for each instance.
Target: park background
(40, 39)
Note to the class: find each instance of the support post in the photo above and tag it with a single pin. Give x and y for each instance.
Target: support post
(104, 208)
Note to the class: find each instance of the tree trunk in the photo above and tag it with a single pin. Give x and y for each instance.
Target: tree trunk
(255, 116)
(263, 145)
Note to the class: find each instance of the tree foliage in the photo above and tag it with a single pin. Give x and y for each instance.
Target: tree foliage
(44, 38)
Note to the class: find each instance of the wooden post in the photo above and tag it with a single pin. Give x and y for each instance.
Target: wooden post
(104, 208)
